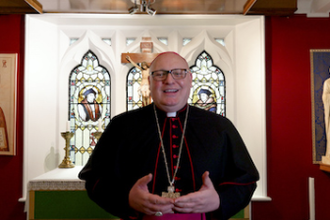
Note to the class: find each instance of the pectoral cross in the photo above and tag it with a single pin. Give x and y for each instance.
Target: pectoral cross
(170, 193)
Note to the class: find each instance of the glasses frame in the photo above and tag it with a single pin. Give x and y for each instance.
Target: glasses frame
(171, 72)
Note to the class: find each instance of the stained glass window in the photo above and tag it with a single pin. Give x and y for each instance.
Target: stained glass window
(185, 41)
(72, 40)
(220, 41)
(89, 106)
(129, 40)
(164, 40)
(208, 87)
(107, 41)
(134, 98)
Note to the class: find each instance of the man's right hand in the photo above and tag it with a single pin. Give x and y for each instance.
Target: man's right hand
(143, 201)
(128, 58)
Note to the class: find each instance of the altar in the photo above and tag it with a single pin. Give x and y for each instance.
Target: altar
(59, 194)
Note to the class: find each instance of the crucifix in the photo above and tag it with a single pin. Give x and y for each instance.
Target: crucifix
(144, 58)
(170, 193)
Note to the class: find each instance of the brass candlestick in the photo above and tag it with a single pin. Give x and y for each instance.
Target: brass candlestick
(66, 163)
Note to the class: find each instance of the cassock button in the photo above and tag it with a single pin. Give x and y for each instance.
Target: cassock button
(178, 190)
(175, 156)
(174, 136)
(174, 126)
(177, 178)
(175, 167)
(175, 146)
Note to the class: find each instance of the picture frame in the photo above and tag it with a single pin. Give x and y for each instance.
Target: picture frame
(8, 91)
(320, 71)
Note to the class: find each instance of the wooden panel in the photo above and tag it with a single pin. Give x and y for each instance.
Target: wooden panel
(139, 57)
(250, 7)
(325, 167)
(20, 7)
(31, 205)
(273, 7)
(161, 6)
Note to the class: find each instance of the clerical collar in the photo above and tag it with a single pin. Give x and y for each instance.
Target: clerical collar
(171, 114)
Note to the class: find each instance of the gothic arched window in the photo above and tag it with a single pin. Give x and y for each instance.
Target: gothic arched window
(134, 98)
(89, 106)
(208, 86)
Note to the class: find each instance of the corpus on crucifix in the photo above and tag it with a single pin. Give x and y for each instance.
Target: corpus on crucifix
(144, 59)
(144, 85)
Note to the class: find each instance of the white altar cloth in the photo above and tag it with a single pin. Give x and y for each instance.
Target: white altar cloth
(58, 179)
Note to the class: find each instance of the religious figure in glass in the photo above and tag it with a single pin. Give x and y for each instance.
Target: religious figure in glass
(89, 108)
(206, 100)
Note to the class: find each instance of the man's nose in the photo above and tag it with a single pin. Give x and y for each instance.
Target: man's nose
(169, 78)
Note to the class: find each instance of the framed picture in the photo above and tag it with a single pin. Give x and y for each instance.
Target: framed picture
(320, 72)
(8, 82)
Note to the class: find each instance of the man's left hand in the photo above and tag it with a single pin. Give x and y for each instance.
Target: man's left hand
(206, 199)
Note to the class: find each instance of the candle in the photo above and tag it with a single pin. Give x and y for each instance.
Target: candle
(68, 126)
(311, 198)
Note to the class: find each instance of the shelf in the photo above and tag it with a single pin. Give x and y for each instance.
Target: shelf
(325, 167)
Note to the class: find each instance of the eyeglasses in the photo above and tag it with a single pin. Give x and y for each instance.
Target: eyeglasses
(160, 75)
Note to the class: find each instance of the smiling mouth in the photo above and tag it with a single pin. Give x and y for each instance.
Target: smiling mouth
(170, 90)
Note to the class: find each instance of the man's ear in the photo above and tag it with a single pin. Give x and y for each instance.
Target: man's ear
(191, 78)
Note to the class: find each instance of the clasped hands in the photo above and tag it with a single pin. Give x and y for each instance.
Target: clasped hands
(206, 199)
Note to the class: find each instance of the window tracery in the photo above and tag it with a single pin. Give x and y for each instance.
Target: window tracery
(208, 86)
(89, 106)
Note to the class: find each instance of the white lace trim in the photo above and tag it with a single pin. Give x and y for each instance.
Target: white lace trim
(56, 185)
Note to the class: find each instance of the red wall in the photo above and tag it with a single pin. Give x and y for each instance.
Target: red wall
(12, 41)
(289, 124)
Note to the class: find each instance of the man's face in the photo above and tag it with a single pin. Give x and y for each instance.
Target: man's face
(170, 95)
(204, 97)
(90, 97)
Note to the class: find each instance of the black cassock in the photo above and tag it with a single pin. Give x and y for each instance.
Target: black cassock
(130, 149)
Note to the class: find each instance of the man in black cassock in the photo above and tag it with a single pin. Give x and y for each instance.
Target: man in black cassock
(169, 160)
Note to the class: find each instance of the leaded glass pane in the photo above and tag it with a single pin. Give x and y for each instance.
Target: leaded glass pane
(220, 41)
(107, 41)
(164, 40)
(185, 41)
(208, 86)
(134, 98)
(72, 40)
(89, 106)
(129, 41)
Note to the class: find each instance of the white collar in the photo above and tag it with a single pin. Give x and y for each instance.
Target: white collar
(171, 114)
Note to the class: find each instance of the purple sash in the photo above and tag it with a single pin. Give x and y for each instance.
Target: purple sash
(189, 216)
